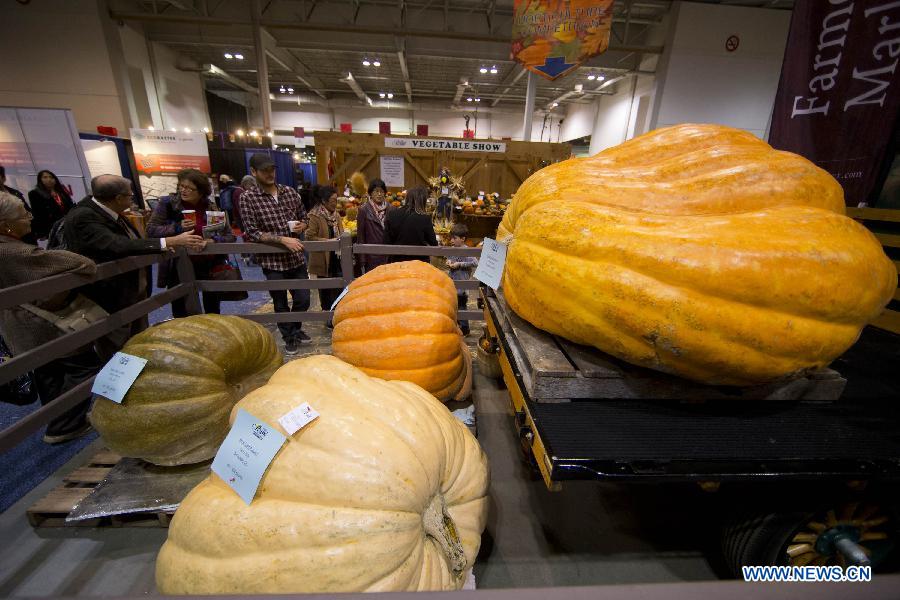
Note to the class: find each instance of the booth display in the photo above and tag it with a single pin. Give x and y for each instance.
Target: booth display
(176, 412)
(398, 322)
(384, 491)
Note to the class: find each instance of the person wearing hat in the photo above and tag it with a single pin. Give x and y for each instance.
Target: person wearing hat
(265, 213)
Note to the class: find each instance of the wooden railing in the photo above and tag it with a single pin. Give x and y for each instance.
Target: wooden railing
(884, 223)
(188, 289)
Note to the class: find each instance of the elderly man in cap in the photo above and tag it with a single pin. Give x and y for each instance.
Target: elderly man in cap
(265, 214)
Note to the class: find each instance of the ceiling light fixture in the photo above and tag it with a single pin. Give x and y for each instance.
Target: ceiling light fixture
(229, 56)
(281, 89)
(555, 104)
(290, 90)
(240, 132)
(366, 62)
(381, 94)
(494, 70)
(390, 95)
(477, 99)
(239, 56)
(592, 77)
(376, 63)
(469, 99)
(482, 70)
(600, 77)
(253, 134)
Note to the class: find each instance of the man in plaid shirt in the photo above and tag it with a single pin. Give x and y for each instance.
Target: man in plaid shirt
(265, 213)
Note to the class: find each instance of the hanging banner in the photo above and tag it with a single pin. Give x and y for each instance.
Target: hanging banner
(432, 144)
(839, 94)
(552, 37)
(159, 155)
(102, 157)
(392, 170)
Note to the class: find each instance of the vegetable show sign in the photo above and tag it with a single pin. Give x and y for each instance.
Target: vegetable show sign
(839, 96)
(552, 37)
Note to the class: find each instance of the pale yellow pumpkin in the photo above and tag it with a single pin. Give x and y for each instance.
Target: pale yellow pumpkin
(385, 491)
(198, 367)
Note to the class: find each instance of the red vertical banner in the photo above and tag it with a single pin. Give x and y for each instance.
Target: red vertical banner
(384, 127)
(422, 130)
(346, 128)
(552, 37)
(839, 95)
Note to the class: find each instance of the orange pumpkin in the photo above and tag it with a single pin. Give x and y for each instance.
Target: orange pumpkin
(398, 322)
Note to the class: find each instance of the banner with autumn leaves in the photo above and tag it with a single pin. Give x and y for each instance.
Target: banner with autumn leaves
(552, 37)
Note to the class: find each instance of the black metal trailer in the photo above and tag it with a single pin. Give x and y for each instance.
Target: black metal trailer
(801, 476)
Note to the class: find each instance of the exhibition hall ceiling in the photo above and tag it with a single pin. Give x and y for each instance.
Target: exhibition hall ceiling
(435, 53)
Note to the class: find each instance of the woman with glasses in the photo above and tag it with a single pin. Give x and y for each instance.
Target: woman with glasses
(186, 210)
(370, 224)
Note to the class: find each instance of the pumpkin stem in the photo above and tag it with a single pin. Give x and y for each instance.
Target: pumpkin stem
(441, 528)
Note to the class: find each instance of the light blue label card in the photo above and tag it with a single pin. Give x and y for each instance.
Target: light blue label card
(117, 376)
(491, 263)
(246, 453)
(339, 298)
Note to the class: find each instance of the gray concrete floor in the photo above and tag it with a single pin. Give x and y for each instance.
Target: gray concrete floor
(586, 534)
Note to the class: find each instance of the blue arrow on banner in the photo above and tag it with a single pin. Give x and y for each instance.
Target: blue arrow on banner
(555, 66)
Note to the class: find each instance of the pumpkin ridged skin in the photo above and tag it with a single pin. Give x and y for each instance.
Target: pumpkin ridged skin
(729, 300)
(343, 506)
(398, 321)
(681, 170)
(198, 367)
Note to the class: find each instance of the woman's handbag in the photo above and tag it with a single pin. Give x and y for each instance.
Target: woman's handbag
(21, 391)
(79, 314)
(228, 272)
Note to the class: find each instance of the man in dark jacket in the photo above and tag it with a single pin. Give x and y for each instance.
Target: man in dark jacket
(96, 228)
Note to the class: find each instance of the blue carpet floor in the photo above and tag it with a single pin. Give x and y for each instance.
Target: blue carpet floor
(32, 461)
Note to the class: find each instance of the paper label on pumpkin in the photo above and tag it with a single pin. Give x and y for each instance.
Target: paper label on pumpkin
(491, 263)
(117, 376)
(246, 453)
(298, 418)
(339, 298)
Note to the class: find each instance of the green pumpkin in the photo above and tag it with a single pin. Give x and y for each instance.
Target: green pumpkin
(198, 367)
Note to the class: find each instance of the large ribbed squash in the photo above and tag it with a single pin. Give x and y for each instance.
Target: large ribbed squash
(398, 322)
(722, 260)
(681, 170)
(385, 491)
(198, 367)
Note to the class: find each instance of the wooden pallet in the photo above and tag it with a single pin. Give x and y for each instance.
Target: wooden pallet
(52, 509)
(556, 370)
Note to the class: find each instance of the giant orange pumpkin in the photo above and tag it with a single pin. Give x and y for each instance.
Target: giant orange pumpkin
(697, 250)
(398, 322)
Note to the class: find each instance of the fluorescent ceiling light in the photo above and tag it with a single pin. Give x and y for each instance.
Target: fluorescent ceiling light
(366, 62)
(592, 77)
(381, 94)
(239, 56)
(376, 63)
(494, 70)
(390, 96)
(469, 99)
(477, 99)
(482, 70)
(228, 55)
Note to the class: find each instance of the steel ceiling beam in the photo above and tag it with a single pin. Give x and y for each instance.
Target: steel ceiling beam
(288, 62)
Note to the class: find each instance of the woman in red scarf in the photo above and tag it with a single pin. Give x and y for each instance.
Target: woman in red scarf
(49, 202)
(169, 218)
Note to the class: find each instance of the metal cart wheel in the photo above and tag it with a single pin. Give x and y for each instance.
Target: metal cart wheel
(854, 534)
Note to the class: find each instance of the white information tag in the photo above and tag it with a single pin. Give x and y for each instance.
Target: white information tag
(246, 453)
(298, 418)
(340, 297)
(117, 376)
(491, 263)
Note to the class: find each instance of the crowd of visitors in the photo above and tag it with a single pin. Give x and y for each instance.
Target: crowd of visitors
(47, 234)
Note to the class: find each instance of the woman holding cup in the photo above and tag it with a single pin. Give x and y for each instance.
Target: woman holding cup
(187, 210)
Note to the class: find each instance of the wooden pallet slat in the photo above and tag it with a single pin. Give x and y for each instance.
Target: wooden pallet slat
(52, 509)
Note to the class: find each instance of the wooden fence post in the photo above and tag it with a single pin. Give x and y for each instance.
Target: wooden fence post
(346, 257)
(187, 277)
